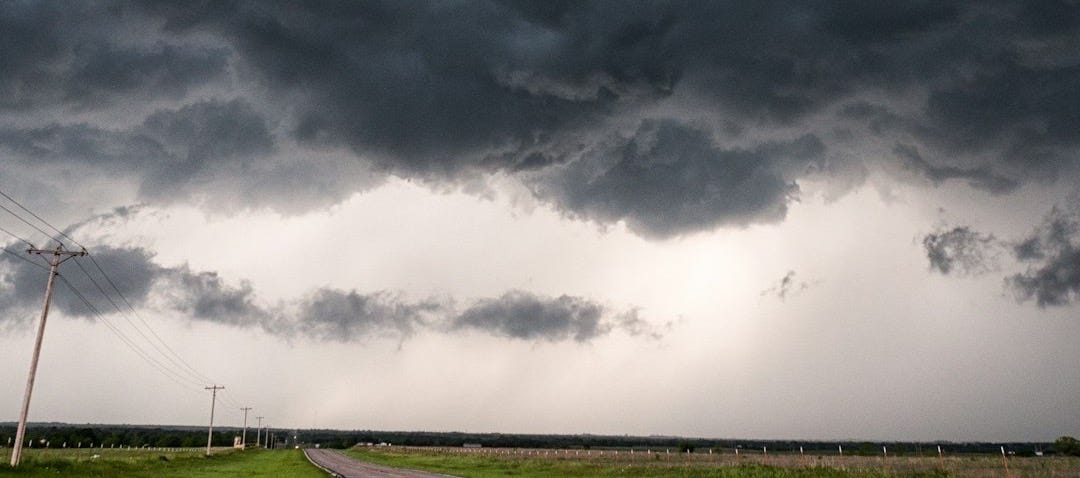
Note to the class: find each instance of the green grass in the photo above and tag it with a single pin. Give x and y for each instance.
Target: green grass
(140, 463)
(480, 466)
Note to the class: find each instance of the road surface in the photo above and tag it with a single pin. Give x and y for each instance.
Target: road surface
(338, 464)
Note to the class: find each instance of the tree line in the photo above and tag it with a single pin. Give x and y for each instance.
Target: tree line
(112, 436)
(57, 435)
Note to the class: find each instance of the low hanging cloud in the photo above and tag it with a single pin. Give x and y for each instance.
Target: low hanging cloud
(673, 117)
(961, 251)
(324, 314)
(331, 314)
(521, 315)
(205, 296)
(1052, 252)
(24, 281)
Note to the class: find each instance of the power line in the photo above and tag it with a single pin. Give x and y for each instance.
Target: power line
(28, 243)
(9, 198)
(28, 223)
(231, 401)
(16, 236)
(183, 363)
(28, 261)
(179, 362)
(172, 375)
(183, 371)
(122, 336)
(132, 324)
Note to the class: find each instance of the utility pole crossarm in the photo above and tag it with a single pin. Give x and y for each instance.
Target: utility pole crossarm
(59, 255)
(59, 251)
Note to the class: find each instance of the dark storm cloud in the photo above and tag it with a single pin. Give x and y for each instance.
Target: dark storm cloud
(978, 93)
(961, 250)
(421, 82)
(102, 74)
(980, 178)
(1052, 253)
(169, 152)
(69, 54)
(203, 138)
(670, 178)
(1021, 114)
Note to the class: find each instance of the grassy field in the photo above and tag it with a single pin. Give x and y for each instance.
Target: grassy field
(487, 463)
(148, 463)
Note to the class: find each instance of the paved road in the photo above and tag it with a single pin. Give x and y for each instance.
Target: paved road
(340, 465)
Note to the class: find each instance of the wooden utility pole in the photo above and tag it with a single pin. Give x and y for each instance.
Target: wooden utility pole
(243, 438)
(59, 255)
(258, 432)
(213, 399)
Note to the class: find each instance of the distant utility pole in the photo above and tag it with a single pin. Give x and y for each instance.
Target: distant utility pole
(213, 399)
(243, 438)
(267, 436)
(58, 255)
(258, 432)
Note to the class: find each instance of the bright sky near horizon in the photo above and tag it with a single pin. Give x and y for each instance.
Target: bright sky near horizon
(717, 219)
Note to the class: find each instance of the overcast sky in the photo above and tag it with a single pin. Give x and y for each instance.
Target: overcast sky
(723, 219)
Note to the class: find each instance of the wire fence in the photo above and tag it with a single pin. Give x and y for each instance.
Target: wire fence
(966, 465)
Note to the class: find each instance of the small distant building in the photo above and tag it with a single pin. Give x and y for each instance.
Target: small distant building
(471, 445)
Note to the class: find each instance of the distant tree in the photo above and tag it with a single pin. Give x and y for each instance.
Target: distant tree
(1067, 445)
(868, 449)
(168, 441)
(191, 441)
